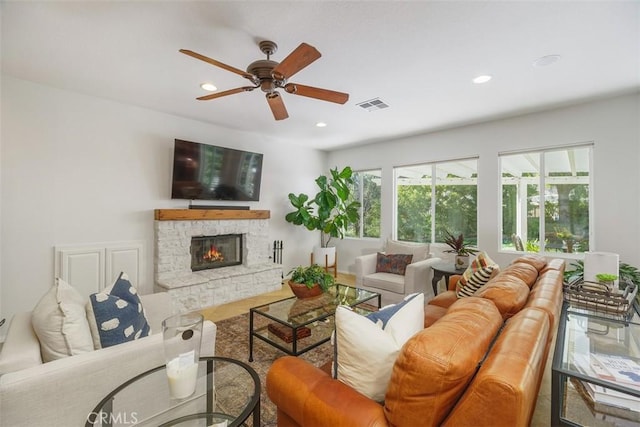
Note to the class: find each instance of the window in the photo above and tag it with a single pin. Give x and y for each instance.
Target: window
(434, 197)
(366, 190)
(556, 219)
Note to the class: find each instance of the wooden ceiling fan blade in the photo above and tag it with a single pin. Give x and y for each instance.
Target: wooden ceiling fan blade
(225, 93)
(277, 106)
(317, 93)
(302, 56)
(218, 64)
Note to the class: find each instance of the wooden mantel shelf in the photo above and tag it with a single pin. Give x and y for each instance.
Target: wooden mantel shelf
(199, 214)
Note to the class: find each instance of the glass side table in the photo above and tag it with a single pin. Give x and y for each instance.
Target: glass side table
(593, 380)
(227, 394)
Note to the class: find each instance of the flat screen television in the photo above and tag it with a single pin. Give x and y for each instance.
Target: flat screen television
(209, 172)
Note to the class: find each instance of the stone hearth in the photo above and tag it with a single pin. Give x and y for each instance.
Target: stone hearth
(193, 290)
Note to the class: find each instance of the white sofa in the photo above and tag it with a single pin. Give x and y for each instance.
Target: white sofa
(63, 392)
(394, 287)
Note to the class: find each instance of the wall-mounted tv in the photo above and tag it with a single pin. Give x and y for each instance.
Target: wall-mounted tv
(209, 172)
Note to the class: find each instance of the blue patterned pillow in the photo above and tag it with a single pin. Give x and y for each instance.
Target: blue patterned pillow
(116, 314)
(393, 263)
(386, 313)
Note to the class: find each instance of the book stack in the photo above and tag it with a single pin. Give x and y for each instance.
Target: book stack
(604, 402)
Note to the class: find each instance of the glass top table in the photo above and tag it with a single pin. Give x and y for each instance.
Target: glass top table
(296, 326)
(596, 369)
(227, 395)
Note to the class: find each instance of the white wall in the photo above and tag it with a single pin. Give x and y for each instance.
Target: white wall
(77, 169)
(612, 124)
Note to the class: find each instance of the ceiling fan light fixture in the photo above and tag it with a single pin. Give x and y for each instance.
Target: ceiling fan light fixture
(209, 87)
(321, 125)
(482, 79)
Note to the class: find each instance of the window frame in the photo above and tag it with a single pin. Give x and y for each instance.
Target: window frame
(433, 165)
(541, 183)
(360, 185)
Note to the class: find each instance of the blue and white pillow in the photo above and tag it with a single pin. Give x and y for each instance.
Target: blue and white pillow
(116, 314)
(366, 348)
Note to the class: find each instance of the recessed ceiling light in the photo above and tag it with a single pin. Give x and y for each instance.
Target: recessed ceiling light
(546, 60)
(321, 125)
(209, 87)
(482, 79)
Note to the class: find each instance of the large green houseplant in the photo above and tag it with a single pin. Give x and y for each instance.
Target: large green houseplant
(330, 211)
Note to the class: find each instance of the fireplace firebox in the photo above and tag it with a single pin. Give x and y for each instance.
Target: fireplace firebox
(209, 252)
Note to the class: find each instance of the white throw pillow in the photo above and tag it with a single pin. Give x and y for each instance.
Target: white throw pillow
(367, 349)
(60, 322)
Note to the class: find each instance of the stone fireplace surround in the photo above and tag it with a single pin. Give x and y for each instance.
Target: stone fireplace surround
(195, 290)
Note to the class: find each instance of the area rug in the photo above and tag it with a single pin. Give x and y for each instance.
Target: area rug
(232, 340)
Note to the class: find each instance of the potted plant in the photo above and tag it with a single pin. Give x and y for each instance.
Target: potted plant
(329, 212)
(607, 279)
(460, 248)
(309, 281)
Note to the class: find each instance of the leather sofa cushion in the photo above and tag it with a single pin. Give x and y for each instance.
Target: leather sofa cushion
(554, 264)
(432, 313)
(510, 376)
(547, 295)
(508, 292)
(435, 365)
(522, 270)
(385, 281)
(536, 261)
(444, 299)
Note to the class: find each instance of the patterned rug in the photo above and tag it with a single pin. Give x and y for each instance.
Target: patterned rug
(232, 340)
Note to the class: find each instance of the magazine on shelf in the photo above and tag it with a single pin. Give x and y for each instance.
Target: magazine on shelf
(618, 369)
(591, 366)
(616, 415)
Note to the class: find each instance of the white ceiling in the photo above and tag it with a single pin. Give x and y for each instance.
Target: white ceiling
(418, 57)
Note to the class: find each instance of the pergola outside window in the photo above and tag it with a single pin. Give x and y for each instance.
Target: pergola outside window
(557, 219)
(434, 197)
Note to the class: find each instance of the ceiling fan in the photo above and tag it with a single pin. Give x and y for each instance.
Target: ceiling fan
(270, 75)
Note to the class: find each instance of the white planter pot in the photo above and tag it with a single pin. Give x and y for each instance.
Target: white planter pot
(322, 255)
(462, 261)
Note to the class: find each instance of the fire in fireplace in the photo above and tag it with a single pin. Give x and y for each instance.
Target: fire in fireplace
(216, 251)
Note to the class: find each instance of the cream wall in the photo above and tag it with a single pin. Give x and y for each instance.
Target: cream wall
(77, 169)
(612, 124)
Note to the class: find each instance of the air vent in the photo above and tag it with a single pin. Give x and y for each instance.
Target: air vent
(373, 104)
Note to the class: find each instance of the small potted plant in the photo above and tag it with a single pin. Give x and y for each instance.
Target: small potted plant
(460, 248)
(309, 281)
(607, 279)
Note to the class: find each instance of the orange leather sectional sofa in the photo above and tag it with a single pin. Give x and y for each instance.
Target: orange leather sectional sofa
(478, 362)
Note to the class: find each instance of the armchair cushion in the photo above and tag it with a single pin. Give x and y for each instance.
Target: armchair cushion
(392, 263)
(366, 349)
(60, 323)
(420, 251)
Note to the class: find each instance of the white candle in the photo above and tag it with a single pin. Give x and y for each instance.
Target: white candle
(183, 374)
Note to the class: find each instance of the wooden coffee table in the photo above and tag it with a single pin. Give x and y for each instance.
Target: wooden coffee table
(297, 325)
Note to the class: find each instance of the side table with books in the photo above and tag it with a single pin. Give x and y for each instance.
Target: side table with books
(596, 369)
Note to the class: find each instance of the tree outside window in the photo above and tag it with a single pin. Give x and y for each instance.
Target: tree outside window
(367, 190)
(556, 219)
(444, 194)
